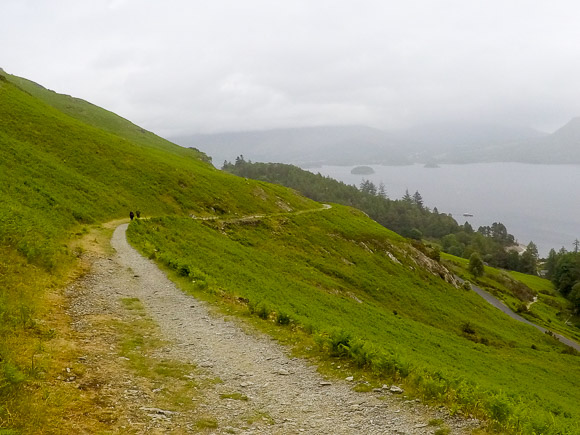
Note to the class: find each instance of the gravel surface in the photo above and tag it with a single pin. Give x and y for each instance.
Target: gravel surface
(284, 395)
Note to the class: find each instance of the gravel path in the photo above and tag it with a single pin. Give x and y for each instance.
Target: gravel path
(285, 395)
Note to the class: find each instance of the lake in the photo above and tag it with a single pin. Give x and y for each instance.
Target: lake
(535, 202)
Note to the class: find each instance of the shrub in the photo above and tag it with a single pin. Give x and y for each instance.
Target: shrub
(499, 408)
(467, 327)
(339, 342)
(263, 311)
(282, 318)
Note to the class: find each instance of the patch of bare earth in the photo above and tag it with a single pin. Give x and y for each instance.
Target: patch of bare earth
(158, 361)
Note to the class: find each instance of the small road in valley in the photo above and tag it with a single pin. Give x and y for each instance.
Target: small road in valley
(504, 308)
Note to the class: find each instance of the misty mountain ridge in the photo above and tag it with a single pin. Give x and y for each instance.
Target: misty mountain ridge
(339, 145)
(559, 147)
(451, 143)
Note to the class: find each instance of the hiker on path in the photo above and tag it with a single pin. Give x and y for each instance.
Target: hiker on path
(131, 215)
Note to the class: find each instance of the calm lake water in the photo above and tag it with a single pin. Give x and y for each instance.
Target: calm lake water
(535, 202)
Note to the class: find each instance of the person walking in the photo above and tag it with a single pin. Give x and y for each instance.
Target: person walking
(131, 215)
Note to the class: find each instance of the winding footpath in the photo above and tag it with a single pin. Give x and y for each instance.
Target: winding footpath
(288, 392)
(281, 394)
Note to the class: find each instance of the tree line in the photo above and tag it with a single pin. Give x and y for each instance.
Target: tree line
(563, 269)
(407, 216)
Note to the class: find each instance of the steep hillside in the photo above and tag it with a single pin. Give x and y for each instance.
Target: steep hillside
(366, 296)
(359, 293)
(97, 117)
(58, 171)
(61, 173)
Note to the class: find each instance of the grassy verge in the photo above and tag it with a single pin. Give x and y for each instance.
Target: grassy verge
(138, 344)
(340, 288)
(37, 345)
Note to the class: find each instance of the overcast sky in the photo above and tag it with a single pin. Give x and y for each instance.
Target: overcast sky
(186, 66)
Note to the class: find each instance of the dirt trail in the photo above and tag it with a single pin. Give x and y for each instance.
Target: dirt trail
(284, 394)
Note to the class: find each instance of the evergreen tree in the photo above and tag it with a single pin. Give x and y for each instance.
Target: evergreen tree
(240, 160)
(367, 186)
(418, 199)
(467, 228)
(382, 192)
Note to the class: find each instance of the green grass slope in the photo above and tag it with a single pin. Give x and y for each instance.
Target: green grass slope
(360, 290)
(97, 117)
(532, 297)
(366, 294)
(65, 165)
(58, 171)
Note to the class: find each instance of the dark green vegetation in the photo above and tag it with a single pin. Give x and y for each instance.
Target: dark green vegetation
(65, 165)
(365, 295)
(407, 216)
(563, 268)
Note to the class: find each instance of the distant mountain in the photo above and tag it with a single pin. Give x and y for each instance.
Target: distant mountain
(562, 146)
(348, 145)
(361, 145)
(462, 135)
(464, 142)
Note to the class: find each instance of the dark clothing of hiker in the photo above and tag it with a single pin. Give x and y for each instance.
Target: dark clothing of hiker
(138, 213)
(131, 215)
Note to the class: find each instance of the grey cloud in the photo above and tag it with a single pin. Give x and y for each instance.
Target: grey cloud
(195, 66)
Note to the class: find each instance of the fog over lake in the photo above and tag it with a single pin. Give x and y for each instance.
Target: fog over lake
(535, 202)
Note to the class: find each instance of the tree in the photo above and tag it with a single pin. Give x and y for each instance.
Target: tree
(240, 160)
(574, 296)
(529, 261)
(415, 234)
(367, 186)
(551, 263)
(418, 199)
(576, 245)
(567, 272)
(476, 266)
(382, 192)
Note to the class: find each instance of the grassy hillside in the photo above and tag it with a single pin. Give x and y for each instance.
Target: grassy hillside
(66, 165)
(97, 117)
(532, 297)
(357, 290)
(364, 293)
